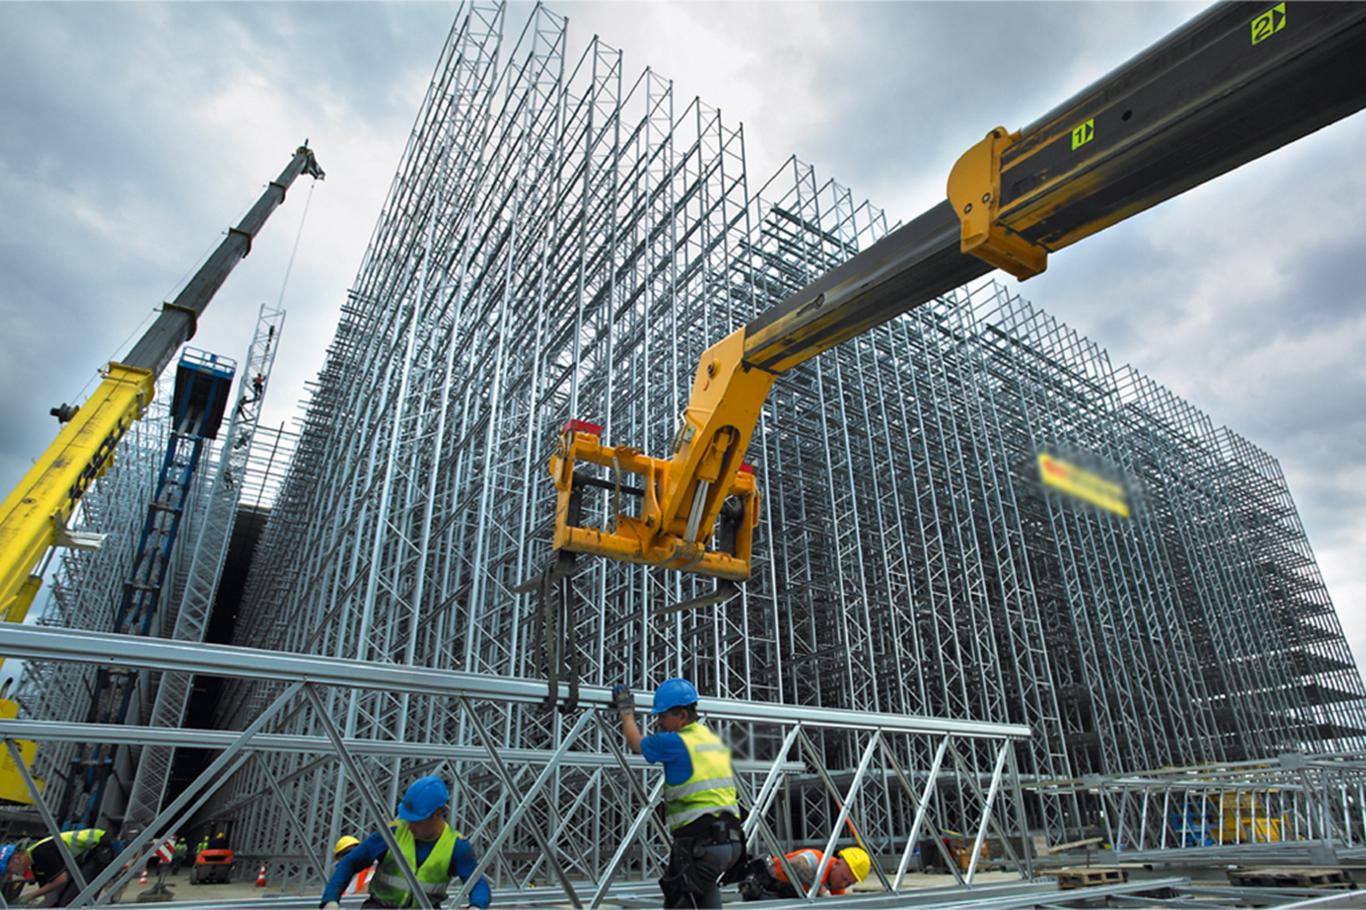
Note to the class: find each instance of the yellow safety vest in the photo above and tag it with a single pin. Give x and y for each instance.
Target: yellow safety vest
(388, 883)
(711, 789)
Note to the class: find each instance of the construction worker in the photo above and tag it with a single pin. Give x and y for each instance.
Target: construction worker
(361, 883)
(178, 857)
(768, 881)
(434, 852)
(201, 846)
(12, 872)
(700, 804)
(92, 849)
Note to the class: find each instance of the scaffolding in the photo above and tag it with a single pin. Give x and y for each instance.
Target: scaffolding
(563, 241)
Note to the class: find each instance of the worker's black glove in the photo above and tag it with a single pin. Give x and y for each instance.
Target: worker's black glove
(623, 700)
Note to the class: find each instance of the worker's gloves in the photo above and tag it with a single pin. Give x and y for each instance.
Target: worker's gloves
(623, 700)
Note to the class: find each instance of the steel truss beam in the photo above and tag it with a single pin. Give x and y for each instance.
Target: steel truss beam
(533, 811)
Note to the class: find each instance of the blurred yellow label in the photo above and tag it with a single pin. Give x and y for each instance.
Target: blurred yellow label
(11, 781)
(1067, 477)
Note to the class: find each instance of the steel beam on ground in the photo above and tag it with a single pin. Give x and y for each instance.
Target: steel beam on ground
(378, 815)
(53, 829)
(530, 796)
(506, 777)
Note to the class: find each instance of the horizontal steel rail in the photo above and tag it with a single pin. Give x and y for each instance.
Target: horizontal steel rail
(106, 649)
(48, 731)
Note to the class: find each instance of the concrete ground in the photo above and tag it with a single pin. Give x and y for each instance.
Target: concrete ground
(237, 890)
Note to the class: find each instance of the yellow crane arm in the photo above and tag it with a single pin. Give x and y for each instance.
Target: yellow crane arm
(1234, 83)
(36, 511)
(35, 514)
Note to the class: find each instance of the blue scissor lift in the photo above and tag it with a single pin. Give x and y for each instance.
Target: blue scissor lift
(203, 383)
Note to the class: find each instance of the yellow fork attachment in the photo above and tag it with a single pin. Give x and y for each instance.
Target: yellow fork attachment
(637, 537)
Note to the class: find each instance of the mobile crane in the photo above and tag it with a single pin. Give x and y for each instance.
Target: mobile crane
(34, 515)
(1237, 81)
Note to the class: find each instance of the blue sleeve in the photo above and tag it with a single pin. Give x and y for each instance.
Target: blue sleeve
(463, 862)
(659, 748)
(369, 850)
(668, 749)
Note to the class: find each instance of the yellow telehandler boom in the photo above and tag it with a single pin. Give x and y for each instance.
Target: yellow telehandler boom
(1236, 82)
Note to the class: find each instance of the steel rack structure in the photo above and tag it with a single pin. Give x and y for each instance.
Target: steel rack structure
(562, 240)
(1294, 808)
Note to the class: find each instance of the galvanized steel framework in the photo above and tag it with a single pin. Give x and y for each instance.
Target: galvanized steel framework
(85, 584)
(563, 241)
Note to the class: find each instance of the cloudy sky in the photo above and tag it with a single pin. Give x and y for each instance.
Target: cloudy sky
(133, 134)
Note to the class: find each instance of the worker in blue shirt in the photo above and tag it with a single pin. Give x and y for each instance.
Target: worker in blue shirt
(700, 804)
(434, 851)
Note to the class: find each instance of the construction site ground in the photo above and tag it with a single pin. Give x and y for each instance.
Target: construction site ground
(243, 890)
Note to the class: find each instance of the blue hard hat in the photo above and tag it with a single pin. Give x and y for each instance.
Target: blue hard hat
(5, 853)
(422, 798)
(673, 693)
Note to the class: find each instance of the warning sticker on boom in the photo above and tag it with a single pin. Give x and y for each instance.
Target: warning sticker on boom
(1268, 23)
(1083, 133)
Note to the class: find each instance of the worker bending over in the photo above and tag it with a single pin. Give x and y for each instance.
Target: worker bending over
(92, 849)
(768, 881)
(700, 805)
(360, 884)
(434, 851)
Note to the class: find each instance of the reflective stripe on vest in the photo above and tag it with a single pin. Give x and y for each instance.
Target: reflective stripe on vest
(804, 862)
(77, 841)
(433, 876)
(711, 788)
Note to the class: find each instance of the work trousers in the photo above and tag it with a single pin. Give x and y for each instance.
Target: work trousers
(697, 861)
(762, 885)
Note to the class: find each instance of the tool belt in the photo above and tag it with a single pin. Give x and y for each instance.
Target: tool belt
(711, 830)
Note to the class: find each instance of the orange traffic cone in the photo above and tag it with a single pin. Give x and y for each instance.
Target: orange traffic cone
(261, 876)
(142, 879)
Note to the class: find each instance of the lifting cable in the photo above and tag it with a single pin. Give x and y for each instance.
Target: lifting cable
(289, 266)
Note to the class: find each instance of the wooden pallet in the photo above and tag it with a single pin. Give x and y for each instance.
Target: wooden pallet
(1293, 877)
(1070, 877)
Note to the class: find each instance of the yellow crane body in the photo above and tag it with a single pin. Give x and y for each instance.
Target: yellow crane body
(35, 513)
